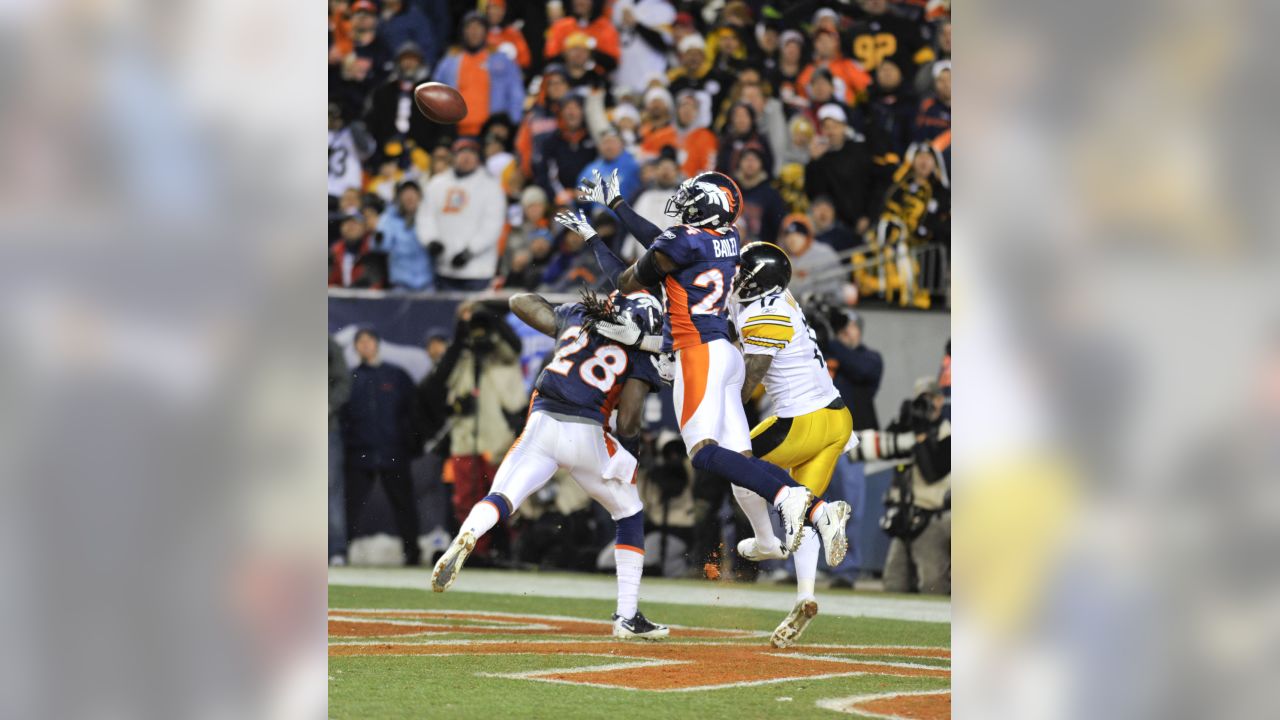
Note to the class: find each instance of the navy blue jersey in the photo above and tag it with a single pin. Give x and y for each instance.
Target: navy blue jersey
(587, 372)
(698, 289)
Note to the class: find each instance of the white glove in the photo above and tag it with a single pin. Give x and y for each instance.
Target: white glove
(576, 222)
(626, 331)
(592, 190)
(665, 363)
(612, 187)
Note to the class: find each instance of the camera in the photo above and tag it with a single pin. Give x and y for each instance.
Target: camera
(883, 445)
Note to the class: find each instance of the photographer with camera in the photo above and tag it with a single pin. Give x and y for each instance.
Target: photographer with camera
(482, 388)
(918, 504)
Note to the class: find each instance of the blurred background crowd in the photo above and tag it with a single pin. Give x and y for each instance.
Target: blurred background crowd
(834, 119)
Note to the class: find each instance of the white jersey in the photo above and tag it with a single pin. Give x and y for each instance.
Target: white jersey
(797, 382)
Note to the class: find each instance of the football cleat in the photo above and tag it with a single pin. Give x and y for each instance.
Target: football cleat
(794, 624)
(792, 510)
(450, 564)
(755, 551)
(831, 526)
(638, 627)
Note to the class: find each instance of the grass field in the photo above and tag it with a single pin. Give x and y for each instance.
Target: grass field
(493, 648)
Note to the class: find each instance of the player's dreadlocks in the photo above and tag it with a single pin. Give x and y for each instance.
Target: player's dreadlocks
(597, 309)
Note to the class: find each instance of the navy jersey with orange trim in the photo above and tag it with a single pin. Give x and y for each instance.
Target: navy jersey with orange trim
(587, 372)
(698, 289)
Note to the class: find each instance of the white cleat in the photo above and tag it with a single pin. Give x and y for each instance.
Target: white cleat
(792, 510)
(450, 564)
(831, 526)
(754, 550)
(794, 624)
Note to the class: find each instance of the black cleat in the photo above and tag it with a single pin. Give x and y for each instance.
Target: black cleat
(638, 627)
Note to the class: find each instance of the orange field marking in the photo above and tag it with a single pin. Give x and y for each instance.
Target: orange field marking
(912, 705)
(396, 623)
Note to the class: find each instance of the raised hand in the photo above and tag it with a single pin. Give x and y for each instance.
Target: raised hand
(592, 190)
(578, 223)
(612, 188)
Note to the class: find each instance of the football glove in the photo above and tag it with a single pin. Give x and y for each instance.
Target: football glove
(578, 223)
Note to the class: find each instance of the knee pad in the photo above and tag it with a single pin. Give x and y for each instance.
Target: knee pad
(631, 530)
(501, 502)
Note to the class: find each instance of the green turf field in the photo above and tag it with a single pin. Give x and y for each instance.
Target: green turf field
(407, 653)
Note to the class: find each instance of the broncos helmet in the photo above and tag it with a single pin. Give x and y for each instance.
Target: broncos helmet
(763, 268)
(644, 308)
(706, 200)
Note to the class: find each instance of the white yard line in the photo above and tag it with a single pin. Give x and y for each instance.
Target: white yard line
(603, 587)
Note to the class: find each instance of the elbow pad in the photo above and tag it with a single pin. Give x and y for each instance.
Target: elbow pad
(647, 270)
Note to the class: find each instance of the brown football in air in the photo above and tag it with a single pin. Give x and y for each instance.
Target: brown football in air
(440, 103)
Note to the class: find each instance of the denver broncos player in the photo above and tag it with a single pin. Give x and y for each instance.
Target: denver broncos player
(695, 264)
(568, 428)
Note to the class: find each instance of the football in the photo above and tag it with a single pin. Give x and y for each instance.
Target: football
(440, 103)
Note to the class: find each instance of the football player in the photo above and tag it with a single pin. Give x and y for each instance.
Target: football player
(568, 428)
(695, 264)
(809, 428)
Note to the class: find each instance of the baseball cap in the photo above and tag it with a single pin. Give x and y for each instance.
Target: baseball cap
(940, 67)
(578, 40)
(796, 224)
(831, 111)
(533, 194)
(791, 36)
(364, 6)
(466, 143)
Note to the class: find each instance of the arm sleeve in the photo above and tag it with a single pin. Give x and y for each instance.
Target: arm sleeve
(641, 229)
(610, 264)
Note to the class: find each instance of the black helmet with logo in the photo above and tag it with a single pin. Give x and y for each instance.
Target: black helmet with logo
(763, 268)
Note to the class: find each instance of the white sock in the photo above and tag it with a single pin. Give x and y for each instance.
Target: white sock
(480, 520)
(807, 564)
(757, 512)
(630, 567)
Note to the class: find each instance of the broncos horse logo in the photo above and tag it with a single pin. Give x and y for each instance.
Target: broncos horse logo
(718, 194)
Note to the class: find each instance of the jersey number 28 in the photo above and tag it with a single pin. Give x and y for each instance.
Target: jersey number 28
(600, 371)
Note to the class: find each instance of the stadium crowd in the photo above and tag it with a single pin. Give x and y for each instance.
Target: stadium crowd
(833, 117)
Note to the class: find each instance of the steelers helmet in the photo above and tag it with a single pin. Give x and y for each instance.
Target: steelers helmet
(706, 200)
(762, 269)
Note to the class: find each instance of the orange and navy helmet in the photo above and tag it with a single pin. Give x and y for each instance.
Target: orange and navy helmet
(643, 307)
(706, 200)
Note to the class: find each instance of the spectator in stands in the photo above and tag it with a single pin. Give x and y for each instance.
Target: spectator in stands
(339, 391)
(497, 134)
(652, 202)
(770, 116)
(406, 23)
(841, 169)
(408, 265)
(809, 260)
(696, 73)
(504, 36)
(933, 120)
(441, 157)
(461, 221)
(586, 16)
(858, 369)
(614, 155)
(786, 80)
(644, 37)
(542, 120)
(365, 67)
(762, 206)
(565, 153)
(534, 218)
(827, 228)
(490, 82)
(378, 429)
(800, 133)
(353, 263)
(696, 144)
(580, 69)
(655, 124)
(890, 115)
(485, 397)
(942, 51)
(529, 265)
(348, 145)
(739, 133)
(571, 266)
(908, 49)
(850, 78)
(372, 207)
(822, 92)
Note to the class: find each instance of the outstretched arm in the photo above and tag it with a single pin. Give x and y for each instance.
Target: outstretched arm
(535, 311)
(757, 366)
(608, 191)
